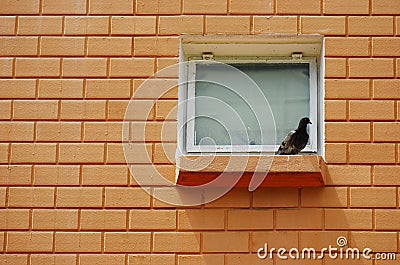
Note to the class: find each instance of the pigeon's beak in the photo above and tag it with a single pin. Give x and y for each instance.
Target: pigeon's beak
(309, 122)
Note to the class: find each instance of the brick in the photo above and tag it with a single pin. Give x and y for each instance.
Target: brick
(87, 67)
(275, 24)
(275, 197)
(373, 197)
(347, 88)
(30, 242)
(109, 88)
(386, 175)
(166, 110)
(378, 241)
(20, 7)
(387, 219)
(116, 109)
(323, 25)
(398, 67)
(227, 25)
(103, 220)
(64, 7)
(132, 67)
(126, 197)
(18, 46)
(152, 219)
(327, 197)
(251, 7)
(335, 67)
(49, 25)
(349, 46)
(31, 197)
(4, 148)
(201, 219)
(5, 106)
(335, 152)
(13, 259)
(158, 7)
(156, 46)
(58, 131)
(52, 259)
(242, 259)
(372, 153)
(277, 239)
(165, 153)
(83, 110)
(299, 219)
(205, 7)
(127, 242)
(166, 197)
(60, 88)
(79, 197)
(177, 242)
(7, 25)
(236, 198)
(16, 131)
(160, 174)
(171, 25)
(21, 88)
(6, 67)
(345, 175)
(87, 259)
(48, 175)
(14, 219)
(153, 131)
(319, 239)
(385, 7)
(386, 131)
(225, 241)
(296, 7)
(386, 89)
(156, 88)
(35, 67)
(348, 219)
(344, 7)
(254, 219)
(370, 25)
(150, 259)
(335, 110)
(167, 67)
(347, 132)
(33, 153)
(374, 67)
(3, 197)
(377, 110)
(35, 109)
(52, 219)
(110, 46)
(142, 153)
(104, 175)
(124, 25)
(82, 153)
(15, 175)
(77, 242)
(103, 131)
(93, 25)
(202, 259)
(115, 7)
(139, 110)
(385, 46)
(63, 46)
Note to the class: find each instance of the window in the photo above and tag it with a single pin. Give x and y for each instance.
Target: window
(245, 97)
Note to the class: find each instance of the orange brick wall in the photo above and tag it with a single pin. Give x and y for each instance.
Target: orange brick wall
(67, 71)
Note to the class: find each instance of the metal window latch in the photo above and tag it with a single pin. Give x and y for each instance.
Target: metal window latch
(297, 56)
(208, 56)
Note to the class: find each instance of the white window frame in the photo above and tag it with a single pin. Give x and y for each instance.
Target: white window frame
(190, 125)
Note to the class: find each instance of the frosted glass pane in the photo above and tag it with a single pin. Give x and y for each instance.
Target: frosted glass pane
(223, 117)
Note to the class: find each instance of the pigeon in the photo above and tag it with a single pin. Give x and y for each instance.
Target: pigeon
(296, 140)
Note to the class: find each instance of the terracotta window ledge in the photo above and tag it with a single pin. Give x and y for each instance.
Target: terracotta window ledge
(284, 171)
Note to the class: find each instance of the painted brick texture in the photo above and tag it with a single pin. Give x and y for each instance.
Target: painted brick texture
(67, 72)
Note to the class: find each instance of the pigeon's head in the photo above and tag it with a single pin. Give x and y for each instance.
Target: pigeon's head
(304, 122)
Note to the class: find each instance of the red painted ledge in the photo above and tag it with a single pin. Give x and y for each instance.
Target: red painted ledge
(284, 171)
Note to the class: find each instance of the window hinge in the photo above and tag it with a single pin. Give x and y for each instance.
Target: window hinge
(297, 56)
(208, 56)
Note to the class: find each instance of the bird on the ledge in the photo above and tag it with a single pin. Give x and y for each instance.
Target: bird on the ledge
(296, 140)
